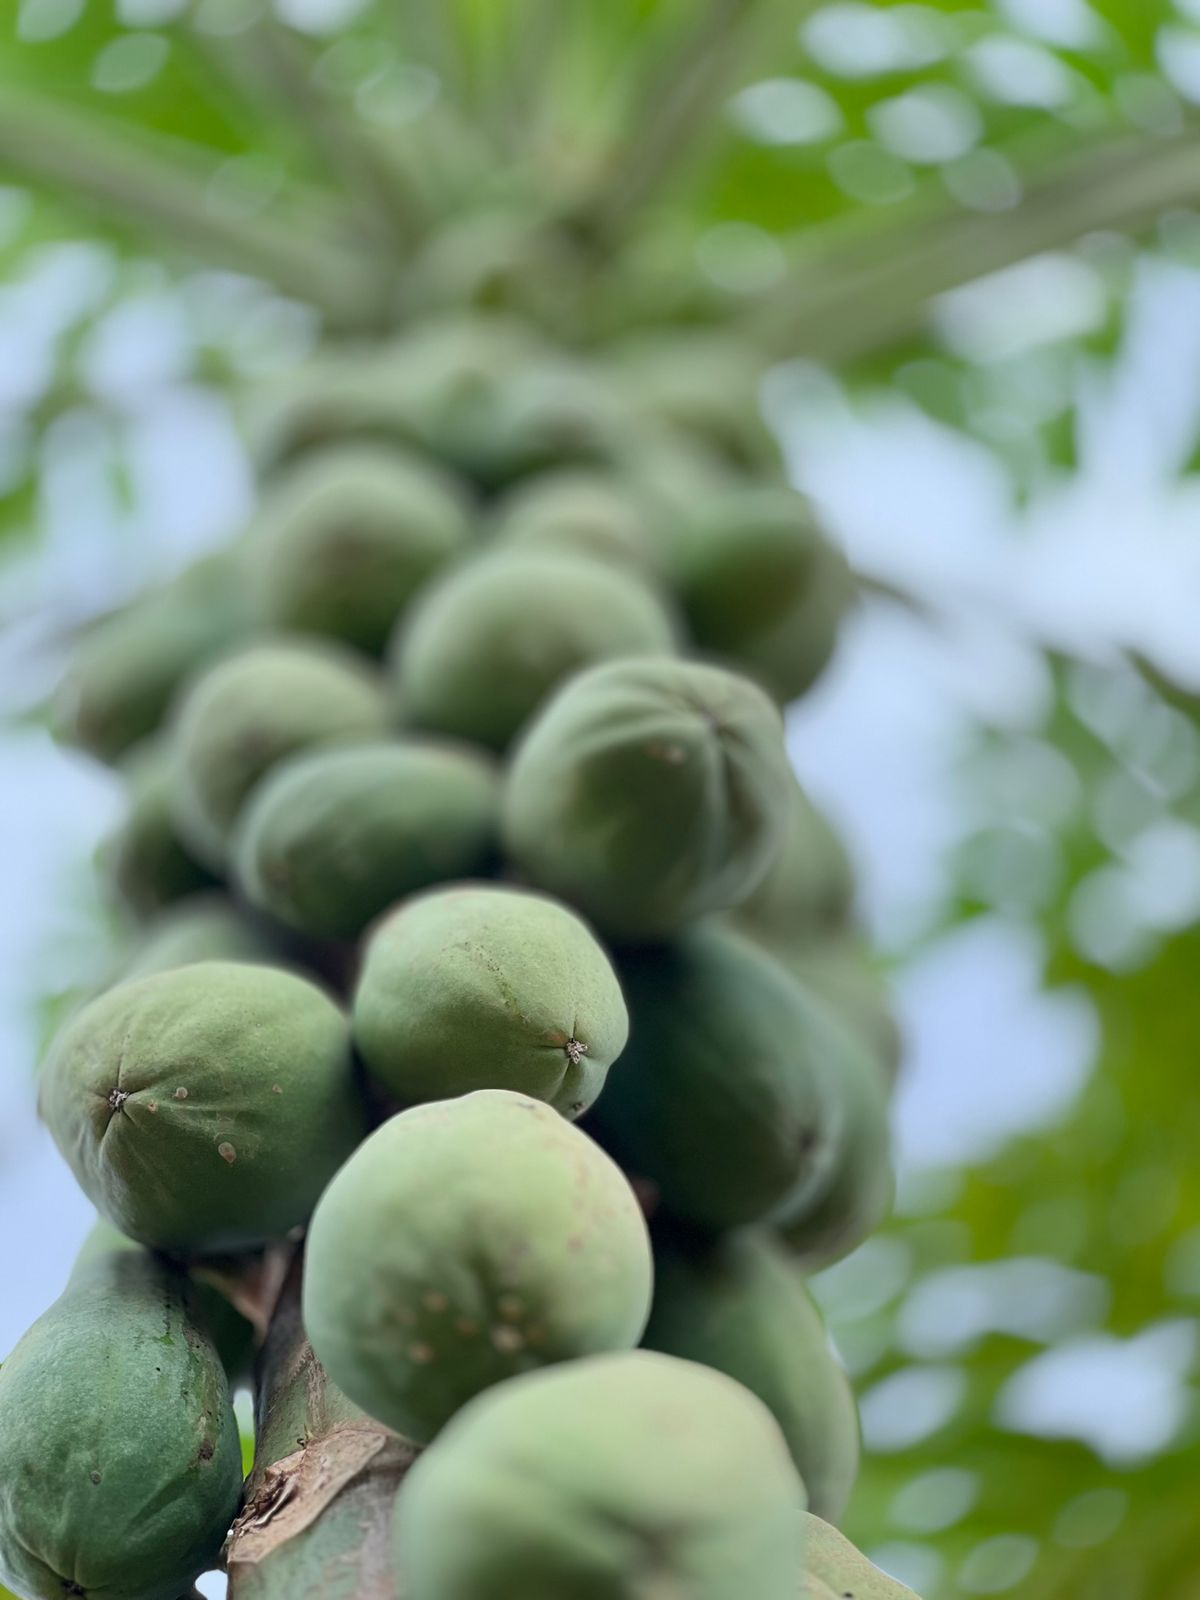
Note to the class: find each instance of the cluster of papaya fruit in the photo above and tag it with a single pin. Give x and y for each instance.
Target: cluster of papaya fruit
(488, 943)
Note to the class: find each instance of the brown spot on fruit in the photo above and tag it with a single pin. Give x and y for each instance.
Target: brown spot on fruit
(227, 1153)
(276, 1089)
(422, 1354)
(95, 1476)
(205, 1452)
(508, 1340)
(181, 1094)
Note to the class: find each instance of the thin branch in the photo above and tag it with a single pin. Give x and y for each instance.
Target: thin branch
(167, 195)
(871, 290)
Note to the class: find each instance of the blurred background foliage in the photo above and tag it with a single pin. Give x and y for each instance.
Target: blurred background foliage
(196, 194)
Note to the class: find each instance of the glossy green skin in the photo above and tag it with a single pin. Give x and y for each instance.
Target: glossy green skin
(838, 1571)
(488, 988)
(239, 1104)
(128, 668)
(738, 1305)
(592, 513)
(251, 710)
(857, 1192)
(809, 890)
(465, 1242)
(347, 537)
(625, 1477)
(146, 861)
(648, 792)
(332, 837)
(719, 1098)
(204, 927)
(120, 1463)
(105, 1254)
(760, 585)
(486, 645)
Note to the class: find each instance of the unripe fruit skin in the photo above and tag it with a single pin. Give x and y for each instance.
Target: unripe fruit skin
(465, 1242)
(120, 1464)
(707, 385)
(761, 586)
(836, 1569)
(204, 1108)
(251, 710)
(859, 1186)
(617, 1478)
(648, 792)
(591, 513)
(204, 927)
(839, 972)
(737, 1304)
(332, 837)
(719, 1099)
(488, 988)
(348, 536)
(486, 645)
(146, 861)
(104, 1257)
(128, 668)
(809, 890)
(329, 402)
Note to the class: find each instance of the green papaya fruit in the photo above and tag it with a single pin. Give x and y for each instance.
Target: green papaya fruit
(720, 1099)
(484, 647)
(809, 891)
(120, 1463)
(761, 586)
(591, 513)
(251, 710)
(840, 973)
(351, 396)
(104, 1254)
(649, 791)
(146, 861)
(857, 1192)
(333, 836)
(735, 1303)
(204, 927)
(204, 1108)
(706, 383)
(551, 413)
(622, 1477)
(450, 372)
(464, 1242)
(675, 470)
(347, 536)
(488, 988)
(128, 667)
(835, 1570)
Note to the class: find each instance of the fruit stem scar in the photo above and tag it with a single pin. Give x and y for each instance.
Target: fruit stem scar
(575, 1051)
(116, 1099)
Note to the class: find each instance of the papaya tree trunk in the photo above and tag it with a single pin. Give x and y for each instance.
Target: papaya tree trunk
(317, 1521)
